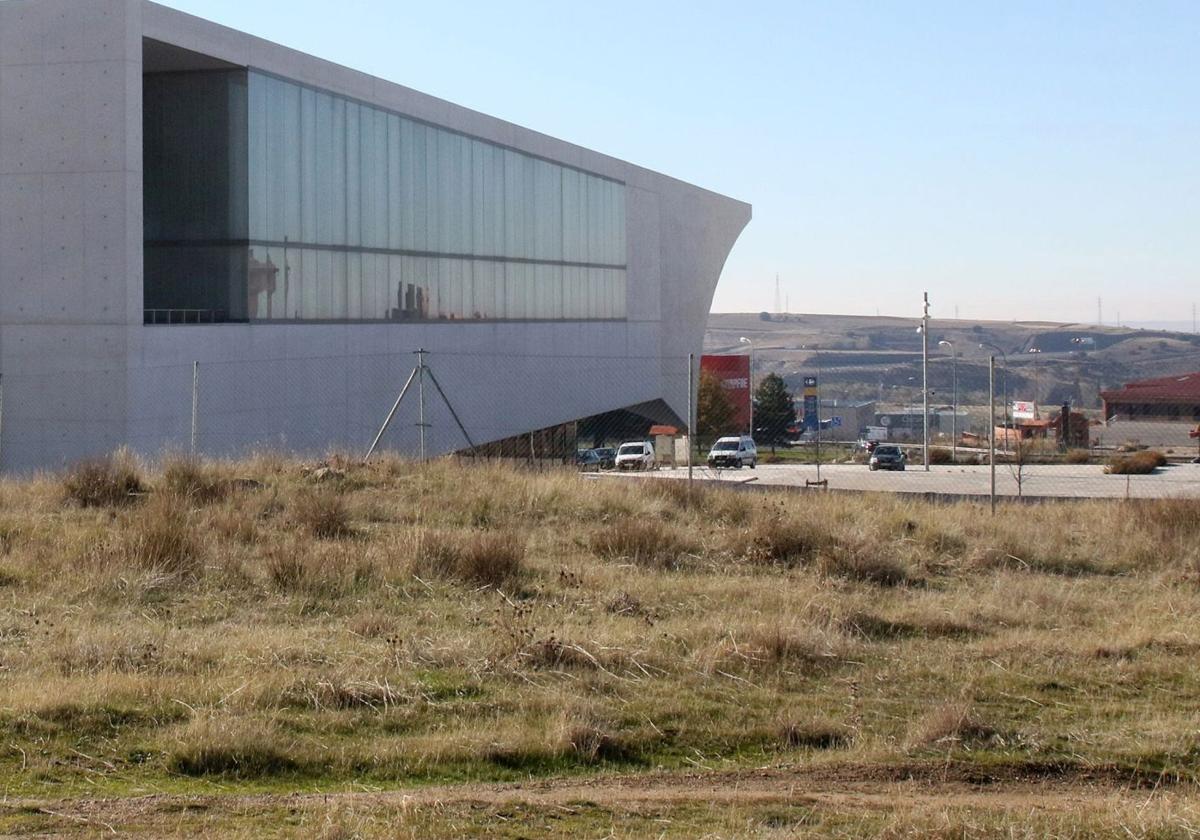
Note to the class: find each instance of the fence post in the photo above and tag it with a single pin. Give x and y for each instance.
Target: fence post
(691, 430)
(1, 422)
(195, 403)
(992, 426)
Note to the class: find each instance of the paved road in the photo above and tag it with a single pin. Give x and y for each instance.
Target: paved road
(1046, 481)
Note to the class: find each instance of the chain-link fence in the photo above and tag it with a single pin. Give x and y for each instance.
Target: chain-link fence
(609, 416)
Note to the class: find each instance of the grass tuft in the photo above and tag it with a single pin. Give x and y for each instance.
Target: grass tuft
(655, 545)
(323, 514)
(953, 724)
(783, 540)
(105, 482)
(476, 558)
(194, 481)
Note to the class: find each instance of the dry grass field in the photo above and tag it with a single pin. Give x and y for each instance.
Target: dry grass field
(472, 650)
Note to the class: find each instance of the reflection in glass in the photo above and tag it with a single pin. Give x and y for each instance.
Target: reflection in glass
(364, 214)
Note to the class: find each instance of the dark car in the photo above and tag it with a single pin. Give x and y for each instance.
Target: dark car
(888, 457)
(608, 457)
(588, 460)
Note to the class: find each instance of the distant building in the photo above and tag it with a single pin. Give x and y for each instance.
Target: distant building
(1168, 399)
(842, 419)
(907, 423)
(1158, 412)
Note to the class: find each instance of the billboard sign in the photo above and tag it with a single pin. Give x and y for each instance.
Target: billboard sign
(1022, 410)
(734, 374)
(812, 408)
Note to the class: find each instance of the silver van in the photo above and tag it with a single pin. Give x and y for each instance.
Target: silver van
(736, 452)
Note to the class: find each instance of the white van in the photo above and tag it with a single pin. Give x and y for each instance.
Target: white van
(638, 455)
(736, 452)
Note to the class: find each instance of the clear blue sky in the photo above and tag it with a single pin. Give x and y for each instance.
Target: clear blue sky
(1018, 159)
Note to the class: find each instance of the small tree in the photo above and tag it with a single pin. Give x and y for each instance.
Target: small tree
(714, 409)
(774, 409)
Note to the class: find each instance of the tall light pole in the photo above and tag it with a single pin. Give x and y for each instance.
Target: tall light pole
(744, 340)
(986, 346)
(954, 417)
(924, 331)
(1037, 378)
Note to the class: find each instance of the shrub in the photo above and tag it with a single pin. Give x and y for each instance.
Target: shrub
(105, 482)
(783, 540)
(649, 544)
(189, 478)
(323, 514)
(1078, 456)
(480, 558)
(1138, 463)
(940, 455)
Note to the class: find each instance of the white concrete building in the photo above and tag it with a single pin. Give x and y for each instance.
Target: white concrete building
(175, 192)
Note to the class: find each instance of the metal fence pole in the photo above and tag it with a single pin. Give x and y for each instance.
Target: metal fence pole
(195, 404)
(691, 430)
(421, 402)
(992, 426)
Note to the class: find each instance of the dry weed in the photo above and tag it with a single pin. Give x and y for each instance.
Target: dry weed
(105, 482)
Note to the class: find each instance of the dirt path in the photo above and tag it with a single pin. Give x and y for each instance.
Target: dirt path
(1049, 788)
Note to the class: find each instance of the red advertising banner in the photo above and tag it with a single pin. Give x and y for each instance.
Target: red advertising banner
(734, 373)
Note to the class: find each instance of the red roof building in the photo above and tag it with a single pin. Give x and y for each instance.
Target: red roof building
(1167, 398)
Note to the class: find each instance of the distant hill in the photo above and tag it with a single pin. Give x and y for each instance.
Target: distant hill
(864, 357)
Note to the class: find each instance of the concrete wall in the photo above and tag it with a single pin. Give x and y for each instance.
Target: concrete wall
(82, 375)
(70, 222)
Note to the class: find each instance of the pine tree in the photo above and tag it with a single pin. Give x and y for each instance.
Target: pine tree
(774, 410)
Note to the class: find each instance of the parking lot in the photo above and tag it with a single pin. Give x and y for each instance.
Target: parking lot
(1038, 481)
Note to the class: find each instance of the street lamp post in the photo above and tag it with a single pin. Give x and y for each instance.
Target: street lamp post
(954, 417)
(986, 346)
(924, 331)
(744, 340)
(1037, 377)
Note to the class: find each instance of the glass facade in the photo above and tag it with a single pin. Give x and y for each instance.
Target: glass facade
(271, 201)
(365, 214)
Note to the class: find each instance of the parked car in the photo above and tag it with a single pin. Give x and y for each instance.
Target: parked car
(888, 457)
(735, 452)
(636, 455)
(608, 457)
(588, 460)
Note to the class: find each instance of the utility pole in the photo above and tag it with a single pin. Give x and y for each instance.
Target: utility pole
(778, 297)
(1099, 312)
(925, 381)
